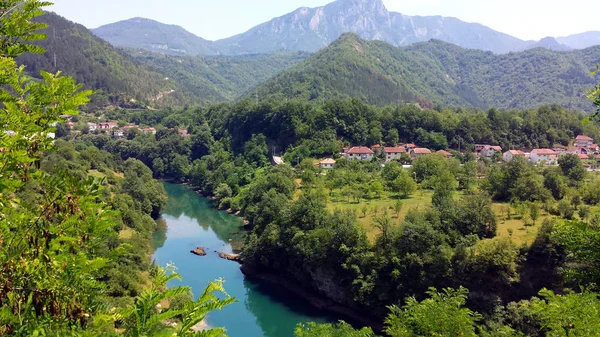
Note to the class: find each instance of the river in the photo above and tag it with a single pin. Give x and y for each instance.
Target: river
(260, 311)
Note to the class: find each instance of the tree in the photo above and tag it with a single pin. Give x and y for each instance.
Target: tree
(584, 212)
(474, 215)
(442, 314)
(404, 185)
(341, 329)
(398, 207)
(572, 167)
(573, 314)
(392, 138)
(534, 211)
(554, 181)
(376, 188)
(444, 185)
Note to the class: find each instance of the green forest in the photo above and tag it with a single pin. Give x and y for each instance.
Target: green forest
(449, 247)
(438, 73)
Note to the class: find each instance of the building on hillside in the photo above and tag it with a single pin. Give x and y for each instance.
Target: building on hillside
(444, 153)
(547, 156)
(419, 152)
(583, 156)
(584, 142)
(409, 147)
(360, 153)
(118, 133)
(327, 164)
(392, 153)
(92, 126)
(576, 150)
(490, 150)
(183, 132)
(149, 131)
(512, 154)
(107, 125)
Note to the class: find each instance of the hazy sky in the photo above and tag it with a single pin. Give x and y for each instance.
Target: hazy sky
(215, 19)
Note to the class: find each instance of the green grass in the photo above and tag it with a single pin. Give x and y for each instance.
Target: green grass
(376, 207)
(514, 227)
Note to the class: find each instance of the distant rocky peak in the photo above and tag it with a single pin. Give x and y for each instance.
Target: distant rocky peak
(367, 7)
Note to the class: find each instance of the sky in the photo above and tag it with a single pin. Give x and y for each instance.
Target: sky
(216, 19)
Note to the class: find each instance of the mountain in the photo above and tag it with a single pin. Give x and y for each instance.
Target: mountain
(218, 79)
(155, 36)
(581, 41)
(310, 29)
(437, 72)
(549, 43)
(74, 50)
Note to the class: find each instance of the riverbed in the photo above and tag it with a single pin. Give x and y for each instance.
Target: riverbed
(259, 310)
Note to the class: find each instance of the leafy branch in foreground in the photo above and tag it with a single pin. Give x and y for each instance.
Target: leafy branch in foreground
(147, 318)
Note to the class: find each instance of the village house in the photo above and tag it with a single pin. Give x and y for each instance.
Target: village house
(392, 153)
(92, 126)
(490, 151)
(183, 132)
(409, 147)
(418, 152)
(149, 131)
(583, 157)
(360, 153)
(584, 142)
(107, 125)
(511, 154)
(444, 153)
(327, 164)
(547, 156)
(118, 133)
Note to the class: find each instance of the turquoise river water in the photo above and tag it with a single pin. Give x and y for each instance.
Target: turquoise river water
(259, 310)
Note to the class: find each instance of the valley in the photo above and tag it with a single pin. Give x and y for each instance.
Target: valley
(342, 170)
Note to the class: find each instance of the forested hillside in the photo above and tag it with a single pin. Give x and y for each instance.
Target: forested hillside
(218, 79)
(436, 72)
(115, 78)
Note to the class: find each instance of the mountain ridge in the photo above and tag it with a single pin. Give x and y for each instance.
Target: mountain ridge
(310, 29)
(437, 72)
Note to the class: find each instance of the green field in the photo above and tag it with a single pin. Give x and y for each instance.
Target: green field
(513, 227)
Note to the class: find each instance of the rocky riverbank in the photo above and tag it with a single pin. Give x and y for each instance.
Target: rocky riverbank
(316, 300)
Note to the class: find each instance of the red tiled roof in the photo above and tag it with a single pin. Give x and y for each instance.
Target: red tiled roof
(445, 153)
(496, 148)
(421, 150)
(516, 152)
(360, 150)
(548, 152)
(411, 146)
(583, 156)
(327, 161)
(581, 137)
(396, 149)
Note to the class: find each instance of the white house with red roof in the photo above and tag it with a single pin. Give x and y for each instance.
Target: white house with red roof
(360, 153)
(584, 142)
(547, 156)
(107, 125)
(512, 154)
(490, 150)
(419, 152)
(444, 153)
(393, 152)
(327, 163)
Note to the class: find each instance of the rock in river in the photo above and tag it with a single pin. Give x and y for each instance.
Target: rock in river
(198, 251)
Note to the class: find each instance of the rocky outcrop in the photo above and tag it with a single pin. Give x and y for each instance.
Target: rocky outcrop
(230, 257)
(198, 251)
(317, 300)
